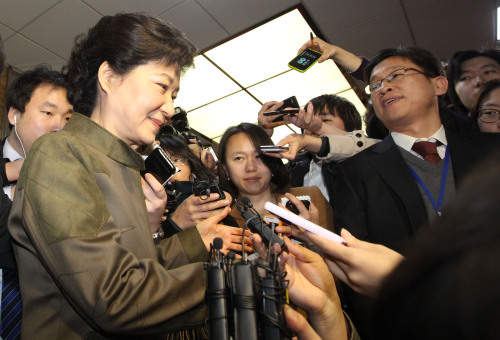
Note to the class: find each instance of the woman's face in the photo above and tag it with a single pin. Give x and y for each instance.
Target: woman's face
(245, 167)
(140, 102)
(475, 72)
(490, 103)
(183, 165)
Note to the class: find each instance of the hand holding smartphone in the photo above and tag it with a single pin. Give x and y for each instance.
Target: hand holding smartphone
(290, 102)
(305, 60)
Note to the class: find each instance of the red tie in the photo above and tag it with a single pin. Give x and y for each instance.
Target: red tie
(428, 150)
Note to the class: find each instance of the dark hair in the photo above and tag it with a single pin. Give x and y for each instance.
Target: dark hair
(447, 287)
(125, 41)
(430, 65)
(487, 88)
(281, 179)
(2, 57)
(178, 147)
(340, 107)
(454, 72)
(21, 90)
(374, 126)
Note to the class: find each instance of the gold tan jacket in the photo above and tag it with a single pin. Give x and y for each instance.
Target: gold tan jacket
(88, 267)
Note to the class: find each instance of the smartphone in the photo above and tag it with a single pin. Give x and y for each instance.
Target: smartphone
(160, 165)
(290, 102)
(284, 112)
(273, 148)
(304, 60)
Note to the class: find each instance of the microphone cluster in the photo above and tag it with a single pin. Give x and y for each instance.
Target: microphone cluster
(245, 298)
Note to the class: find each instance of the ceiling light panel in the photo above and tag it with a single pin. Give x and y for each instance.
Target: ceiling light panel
(213, 119)
(203, 84)
(264, 51)
(324, 78)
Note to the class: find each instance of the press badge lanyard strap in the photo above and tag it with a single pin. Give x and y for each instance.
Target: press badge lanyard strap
(437, 205)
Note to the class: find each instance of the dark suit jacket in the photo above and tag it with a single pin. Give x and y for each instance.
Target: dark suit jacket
(299, 167)
(377, 198)
(7, 260)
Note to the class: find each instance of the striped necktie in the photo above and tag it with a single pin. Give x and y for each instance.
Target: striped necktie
(11, 313)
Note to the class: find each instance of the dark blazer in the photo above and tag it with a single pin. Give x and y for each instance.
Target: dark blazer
(299, 167)
(7, 260)
(377, 198)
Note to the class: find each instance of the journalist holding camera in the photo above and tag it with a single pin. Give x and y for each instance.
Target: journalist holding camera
(193, 193)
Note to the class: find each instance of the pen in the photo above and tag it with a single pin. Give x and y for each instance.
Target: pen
(312, 40)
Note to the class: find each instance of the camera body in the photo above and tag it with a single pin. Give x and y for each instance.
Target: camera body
(179, 127)
(205, 188)
(306, 200)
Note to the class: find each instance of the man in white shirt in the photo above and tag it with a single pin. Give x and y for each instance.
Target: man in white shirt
(387, 192)
(36, 104)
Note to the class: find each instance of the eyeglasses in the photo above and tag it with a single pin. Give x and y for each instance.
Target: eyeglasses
(489, 115)
(179, 160)
(392, 77)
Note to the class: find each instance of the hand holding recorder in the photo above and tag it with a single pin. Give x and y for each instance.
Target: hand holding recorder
(265, 121)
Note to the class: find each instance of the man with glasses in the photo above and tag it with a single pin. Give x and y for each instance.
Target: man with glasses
(387, 192)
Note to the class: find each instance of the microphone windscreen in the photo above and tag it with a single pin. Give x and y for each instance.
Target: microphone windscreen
(218, 243)
(246, 201)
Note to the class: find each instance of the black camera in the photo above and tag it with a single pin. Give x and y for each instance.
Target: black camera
(179, 127)
(306, 200)
(203, 189)
(179, 120)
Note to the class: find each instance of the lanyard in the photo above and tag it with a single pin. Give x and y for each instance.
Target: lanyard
(437, 205)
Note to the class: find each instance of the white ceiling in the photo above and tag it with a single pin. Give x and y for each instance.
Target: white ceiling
(36, 31)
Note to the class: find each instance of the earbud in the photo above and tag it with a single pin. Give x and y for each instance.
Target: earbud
(15, 119)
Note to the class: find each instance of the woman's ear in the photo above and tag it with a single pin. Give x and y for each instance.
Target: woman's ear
(225, 170)
(106, 77)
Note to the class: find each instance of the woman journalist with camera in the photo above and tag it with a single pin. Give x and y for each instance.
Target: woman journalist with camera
(194, 194)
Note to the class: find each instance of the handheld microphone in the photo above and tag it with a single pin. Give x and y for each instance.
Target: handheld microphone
(255, 223)
(218, 246)
(216, 294)
(273, 299)
(245, 309)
